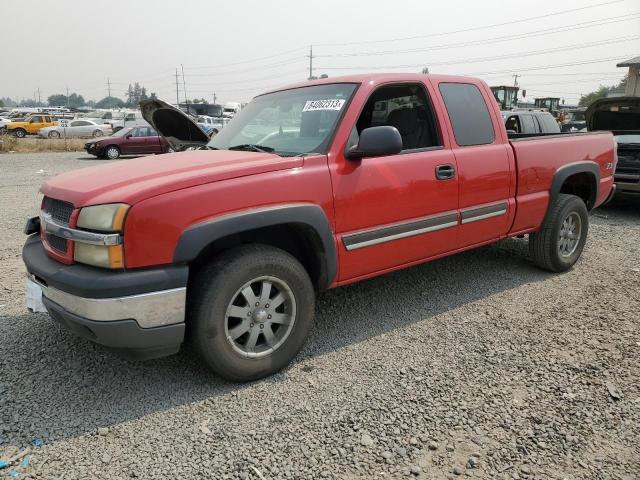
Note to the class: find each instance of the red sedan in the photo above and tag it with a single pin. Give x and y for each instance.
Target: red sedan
(136, 140)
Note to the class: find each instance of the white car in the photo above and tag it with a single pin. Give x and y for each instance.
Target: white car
(76, 128)
(3, 124)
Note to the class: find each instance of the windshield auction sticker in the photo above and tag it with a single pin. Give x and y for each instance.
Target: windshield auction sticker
(330, 104)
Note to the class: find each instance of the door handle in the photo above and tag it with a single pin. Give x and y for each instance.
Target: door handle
(445, 172)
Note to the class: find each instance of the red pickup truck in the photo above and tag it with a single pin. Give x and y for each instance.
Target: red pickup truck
(309, 187)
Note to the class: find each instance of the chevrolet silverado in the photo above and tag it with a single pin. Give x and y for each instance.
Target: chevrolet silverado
(309, 187)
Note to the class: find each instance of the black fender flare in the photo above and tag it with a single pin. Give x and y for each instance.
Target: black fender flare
(199, 236)
(566, 171)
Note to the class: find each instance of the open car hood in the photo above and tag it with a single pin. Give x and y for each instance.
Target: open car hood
(616, 114)
(177, 128)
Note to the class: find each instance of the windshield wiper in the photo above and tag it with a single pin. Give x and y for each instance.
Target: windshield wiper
(207, 147)
(252, 148)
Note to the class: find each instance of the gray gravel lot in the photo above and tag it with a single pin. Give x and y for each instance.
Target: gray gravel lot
(478, 365)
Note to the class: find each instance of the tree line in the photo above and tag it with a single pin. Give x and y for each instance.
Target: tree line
(132, 96)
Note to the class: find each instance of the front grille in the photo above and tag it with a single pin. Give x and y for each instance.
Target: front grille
(628, 164)
(58, 243)
(59, 210)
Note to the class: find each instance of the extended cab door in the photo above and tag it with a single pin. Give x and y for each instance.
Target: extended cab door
(484, 159)
(394, 210)
(35, 123)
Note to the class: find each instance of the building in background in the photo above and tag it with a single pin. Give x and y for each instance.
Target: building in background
(632, 88)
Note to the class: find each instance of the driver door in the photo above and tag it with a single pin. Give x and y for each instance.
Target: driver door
(393, 210)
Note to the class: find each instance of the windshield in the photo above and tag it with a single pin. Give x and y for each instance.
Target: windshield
(297, 121)
(122, 132)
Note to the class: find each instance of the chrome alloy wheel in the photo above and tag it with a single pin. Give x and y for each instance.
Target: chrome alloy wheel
(260, 317)
(569, 235)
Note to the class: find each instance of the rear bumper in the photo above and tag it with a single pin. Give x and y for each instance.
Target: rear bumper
(140, 313)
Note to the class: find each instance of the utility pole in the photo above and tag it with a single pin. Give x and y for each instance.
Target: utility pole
(310, 62)
(67, 96)
(214, 97)
(39, 100)
(177, 90)
(184, 86)
(109, 90)
(515, 79)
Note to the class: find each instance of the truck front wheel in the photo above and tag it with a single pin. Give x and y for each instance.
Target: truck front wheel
(561, 239)
(20, 132)
(251, 311)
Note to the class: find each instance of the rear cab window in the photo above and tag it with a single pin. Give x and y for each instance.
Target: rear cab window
(468, 113)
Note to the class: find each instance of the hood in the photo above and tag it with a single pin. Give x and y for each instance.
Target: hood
(177, 128)
(134, 180)
(614, 114)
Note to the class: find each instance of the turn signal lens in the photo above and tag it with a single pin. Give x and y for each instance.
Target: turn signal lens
(99, 255)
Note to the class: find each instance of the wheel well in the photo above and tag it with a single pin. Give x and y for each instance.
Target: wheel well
(582, 185)
(299, 240)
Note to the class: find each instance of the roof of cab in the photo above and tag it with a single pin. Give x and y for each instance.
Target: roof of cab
(376, 79)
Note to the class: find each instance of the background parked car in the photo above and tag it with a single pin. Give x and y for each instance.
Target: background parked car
(76, 128)
(31, 125)
(3, 124)
(137, 140)
(530, 122)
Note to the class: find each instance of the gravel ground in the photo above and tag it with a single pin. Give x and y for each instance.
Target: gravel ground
(478, 365)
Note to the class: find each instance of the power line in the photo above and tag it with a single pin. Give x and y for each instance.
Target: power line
(502, 38)
(471, 29)
(557, 65)
(248, 80)
(250, 69)
(494, 57)
(253, 60)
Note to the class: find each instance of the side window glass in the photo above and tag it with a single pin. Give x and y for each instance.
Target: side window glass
(468, 113)
(537, 124)
(152, 132)
(513, 124)
(527, 124)
(405, 107)
(36, 120)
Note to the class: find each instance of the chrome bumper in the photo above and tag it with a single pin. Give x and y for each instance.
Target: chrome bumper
(153, 309)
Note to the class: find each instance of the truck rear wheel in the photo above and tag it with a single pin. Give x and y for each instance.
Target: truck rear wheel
(20, 132)
(561, 239)
(252, 310)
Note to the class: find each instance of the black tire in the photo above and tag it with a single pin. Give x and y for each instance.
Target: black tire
(111, 152)
(20, 132)
(545, 245)
(214, 289)
(3, 130)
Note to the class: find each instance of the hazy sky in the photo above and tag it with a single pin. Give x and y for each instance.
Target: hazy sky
(80, 43)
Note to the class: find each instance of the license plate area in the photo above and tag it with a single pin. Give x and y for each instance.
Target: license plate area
(34, 297)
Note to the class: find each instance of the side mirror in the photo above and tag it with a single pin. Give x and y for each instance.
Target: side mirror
(376, 142)
(128, 136)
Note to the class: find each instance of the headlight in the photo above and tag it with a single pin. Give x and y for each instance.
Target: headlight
(103, 218)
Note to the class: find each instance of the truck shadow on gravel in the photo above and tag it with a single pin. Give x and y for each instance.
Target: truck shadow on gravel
(55, 386)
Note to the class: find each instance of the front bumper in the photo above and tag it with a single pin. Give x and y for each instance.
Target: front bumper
(139, 313)
(92, 149)
(627, 183)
